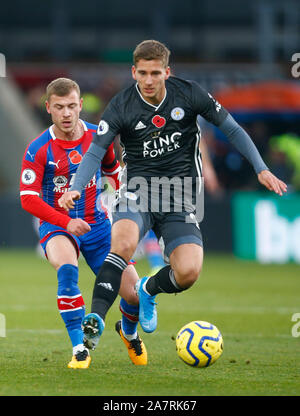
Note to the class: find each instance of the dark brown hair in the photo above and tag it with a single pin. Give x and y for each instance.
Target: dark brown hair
(151, 49)
(61, 87)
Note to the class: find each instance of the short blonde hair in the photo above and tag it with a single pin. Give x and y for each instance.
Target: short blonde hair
(151, 49)
(61, 87)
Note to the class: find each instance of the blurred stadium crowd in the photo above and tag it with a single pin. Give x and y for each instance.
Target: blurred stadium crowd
(240, 53)
(269, 111)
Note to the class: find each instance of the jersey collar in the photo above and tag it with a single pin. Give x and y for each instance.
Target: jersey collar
(156, 107)
(53, 135)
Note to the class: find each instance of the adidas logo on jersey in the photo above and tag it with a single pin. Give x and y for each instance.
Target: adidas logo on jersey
(107, 286)
(140, 126)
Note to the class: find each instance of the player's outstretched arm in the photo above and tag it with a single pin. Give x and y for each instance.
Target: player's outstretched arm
(271, 182)
(243, 143)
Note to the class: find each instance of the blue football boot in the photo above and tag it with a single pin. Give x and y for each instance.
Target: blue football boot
(147, 307)
(92, 326)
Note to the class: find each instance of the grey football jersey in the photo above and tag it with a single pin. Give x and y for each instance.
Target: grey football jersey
(160, 140)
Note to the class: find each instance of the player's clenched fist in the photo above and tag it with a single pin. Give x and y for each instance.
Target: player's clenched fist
(78, 227)
(66, 201)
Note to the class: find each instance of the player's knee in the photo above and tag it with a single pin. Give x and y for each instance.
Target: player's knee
(124, 238)
(128, 293)
(124, 248)
(127, 288)
(186, 275)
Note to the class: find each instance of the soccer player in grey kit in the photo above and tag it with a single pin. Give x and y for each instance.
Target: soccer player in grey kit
(156, 120)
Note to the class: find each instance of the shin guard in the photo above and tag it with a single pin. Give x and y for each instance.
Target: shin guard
(70, 302)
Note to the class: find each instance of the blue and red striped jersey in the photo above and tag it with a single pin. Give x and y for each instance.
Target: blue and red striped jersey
(49, 166)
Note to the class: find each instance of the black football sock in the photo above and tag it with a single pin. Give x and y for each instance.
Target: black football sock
(163, 282)
(107, 284)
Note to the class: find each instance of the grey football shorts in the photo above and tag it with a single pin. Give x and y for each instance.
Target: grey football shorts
(172, 229)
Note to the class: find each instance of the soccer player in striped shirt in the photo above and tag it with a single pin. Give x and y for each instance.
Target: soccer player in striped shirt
(48, 169)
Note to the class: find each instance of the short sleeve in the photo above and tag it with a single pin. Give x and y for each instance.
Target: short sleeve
(207, 106)
(109, 125)
(31, 174)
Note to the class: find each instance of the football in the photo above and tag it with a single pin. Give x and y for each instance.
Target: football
(199, 344)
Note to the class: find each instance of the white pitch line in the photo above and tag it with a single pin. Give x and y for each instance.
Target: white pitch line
(281, 310)
(35, 331)
(21, 308)
(156, 333)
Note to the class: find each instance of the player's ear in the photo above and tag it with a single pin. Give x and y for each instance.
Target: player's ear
(133, 72)
(80, 104)
(168, 72)
(47, 107)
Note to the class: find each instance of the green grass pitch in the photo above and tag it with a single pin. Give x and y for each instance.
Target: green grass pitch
(251, 304)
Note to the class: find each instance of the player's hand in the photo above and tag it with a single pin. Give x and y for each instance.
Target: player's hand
(271, 182)
(66, 201)
(78, 227)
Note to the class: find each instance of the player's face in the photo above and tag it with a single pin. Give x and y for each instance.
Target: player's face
(151, 77)
(65, 111)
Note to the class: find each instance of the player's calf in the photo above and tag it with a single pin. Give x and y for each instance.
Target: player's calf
(70, 303)
(130, 318)
(107, 284)
(163, 281)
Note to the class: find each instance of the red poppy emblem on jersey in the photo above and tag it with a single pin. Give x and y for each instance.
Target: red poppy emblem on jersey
(75, 157)
(158, 121)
